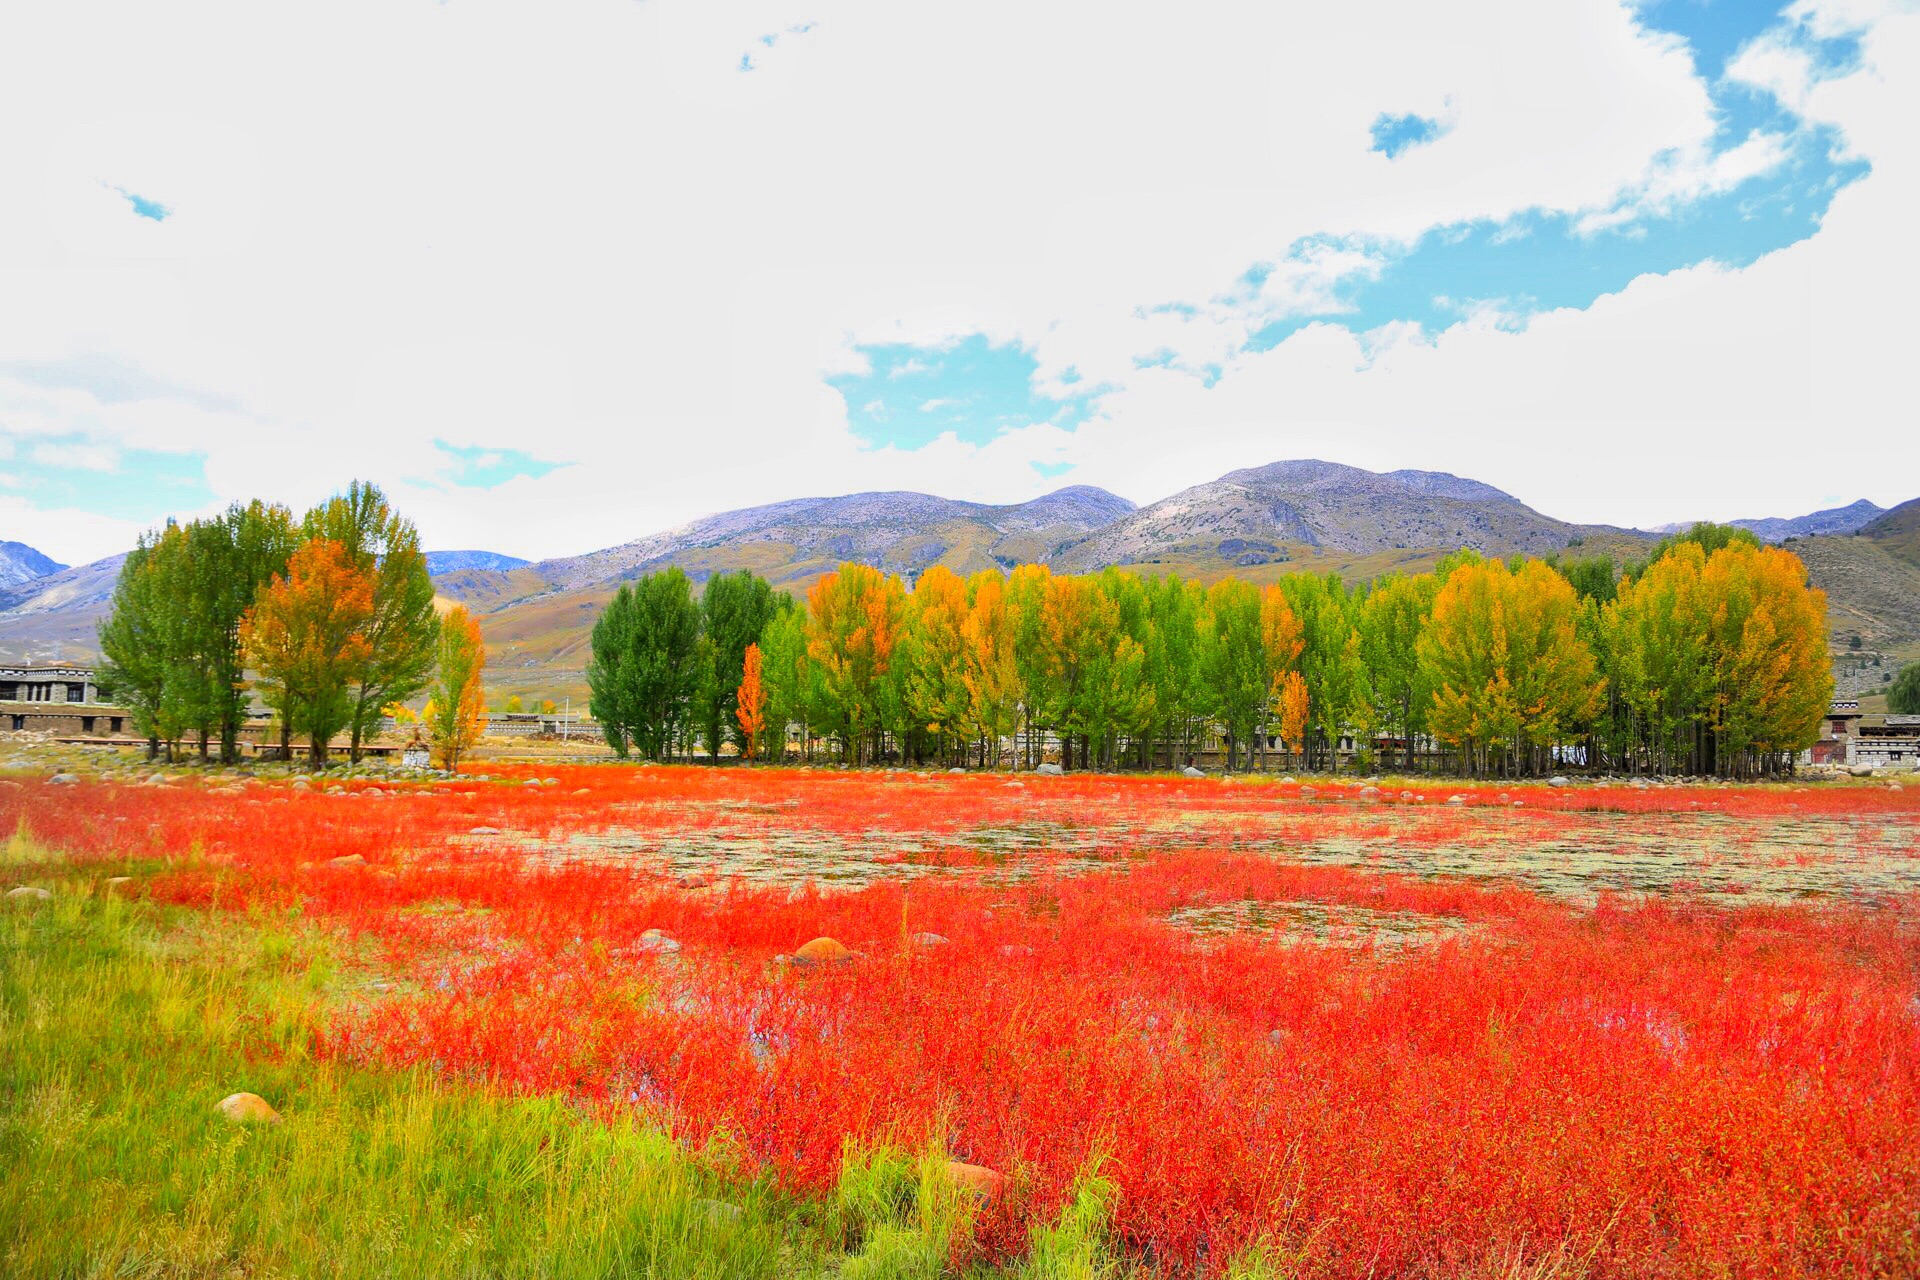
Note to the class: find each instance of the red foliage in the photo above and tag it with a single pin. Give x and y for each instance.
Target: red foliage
(1663, 1086)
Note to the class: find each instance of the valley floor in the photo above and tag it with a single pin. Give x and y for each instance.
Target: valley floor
(605, 1020)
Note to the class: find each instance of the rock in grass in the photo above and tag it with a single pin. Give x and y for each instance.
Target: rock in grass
(822, 951)
(347, 860)
(1049, 770)
(63, 779)
(928, 940)
(28, 892)
(1456, 799)
(1191, 772)
(1557, 781)
(483, 831)
(116, 884)
(1014, 950)
(1369, 793)
(248, 1108)
(658, 940)
(1308, 793)
(976, 1178)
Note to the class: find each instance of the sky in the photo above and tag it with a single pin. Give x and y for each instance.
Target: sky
(559, 276)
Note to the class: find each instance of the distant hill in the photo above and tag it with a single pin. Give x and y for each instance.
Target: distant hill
(1847, 519)
(1288, 510)
(21, 563)
(439, 562)
(56, 615)
(899, 532)
(1259, 523)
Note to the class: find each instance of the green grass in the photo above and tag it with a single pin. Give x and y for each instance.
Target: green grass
(123, 1023)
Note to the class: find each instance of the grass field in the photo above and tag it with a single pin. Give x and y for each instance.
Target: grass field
(551, 1022)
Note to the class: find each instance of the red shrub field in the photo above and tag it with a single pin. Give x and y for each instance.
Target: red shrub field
(1652, 1032)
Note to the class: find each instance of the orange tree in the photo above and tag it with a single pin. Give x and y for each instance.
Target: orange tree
(457, 714)
(307, 637)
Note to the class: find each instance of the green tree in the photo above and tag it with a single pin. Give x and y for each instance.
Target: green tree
(1903, 696)
(645, 665)
(403, 637)
(734, 611)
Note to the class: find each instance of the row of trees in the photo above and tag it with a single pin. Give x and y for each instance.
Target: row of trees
(1710, 657)
(329, 619)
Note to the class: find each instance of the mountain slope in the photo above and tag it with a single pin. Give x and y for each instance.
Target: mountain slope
(56, 616)
(1278, 512)
(898, 532)
(1834, 520)
(439, 562)
(21, 563)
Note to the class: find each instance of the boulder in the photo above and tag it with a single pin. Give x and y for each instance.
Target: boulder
(956, 771)
(483, 831)
(248, 1108)
(1308, 793)
(347, 860)
(1557, 781)
(28, 892)
(1456, 799)
(1369, 793)
(68, 779)
(1049, 769)
(976, 1178)
(1191, 772)
(1015, 950)
(659, 941)
(928, 940)
(1406, 795)
(822, 951)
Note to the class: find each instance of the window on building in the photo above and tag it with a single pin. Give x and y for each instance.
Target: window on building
(86, 724)
(115, 722)
(19, 723)
(76, 693)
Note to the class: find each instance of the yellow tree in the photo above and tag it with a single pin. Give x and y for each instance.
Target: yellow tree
(1767, 632)
(854, 617)
(1509, 670)
(990, 670)
(750, 708)
(457, 712)
(935, 654)
(1293, 710)
(306, 637)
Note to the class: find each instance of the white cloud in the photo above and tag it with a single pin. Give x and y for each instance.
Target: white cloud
(577, 231)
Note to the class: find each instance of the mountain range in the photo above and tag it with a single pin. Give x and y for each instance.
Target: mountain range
(1257, 523)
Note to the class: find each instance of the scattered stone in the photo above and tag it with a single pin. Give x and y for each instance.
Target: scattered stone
(27, 891)
(483, 831)
(976, 1178)
(1279, 1035)
(347, 860)
(1191, 772)
(1557, 781)
(115, 883)
(63, 779)
(1288, 781)
(156, 779)
(1308, 793)
(1503, 797)
(1016, 786)
(1369, 793)
(928, 940)
(248, 1108)
(956, 770)
(1456, 799)
(549, 782)
(584, 791)
(1013, 950)
(531, 782)
(1406, 795)
(822, 951)
(301, 784)
(658, 940)
(1049, 769)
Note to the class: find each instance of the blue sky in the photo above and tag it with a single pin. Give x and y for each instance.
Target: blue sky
(1123, 246)
(909, 395)
(1537, 260)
